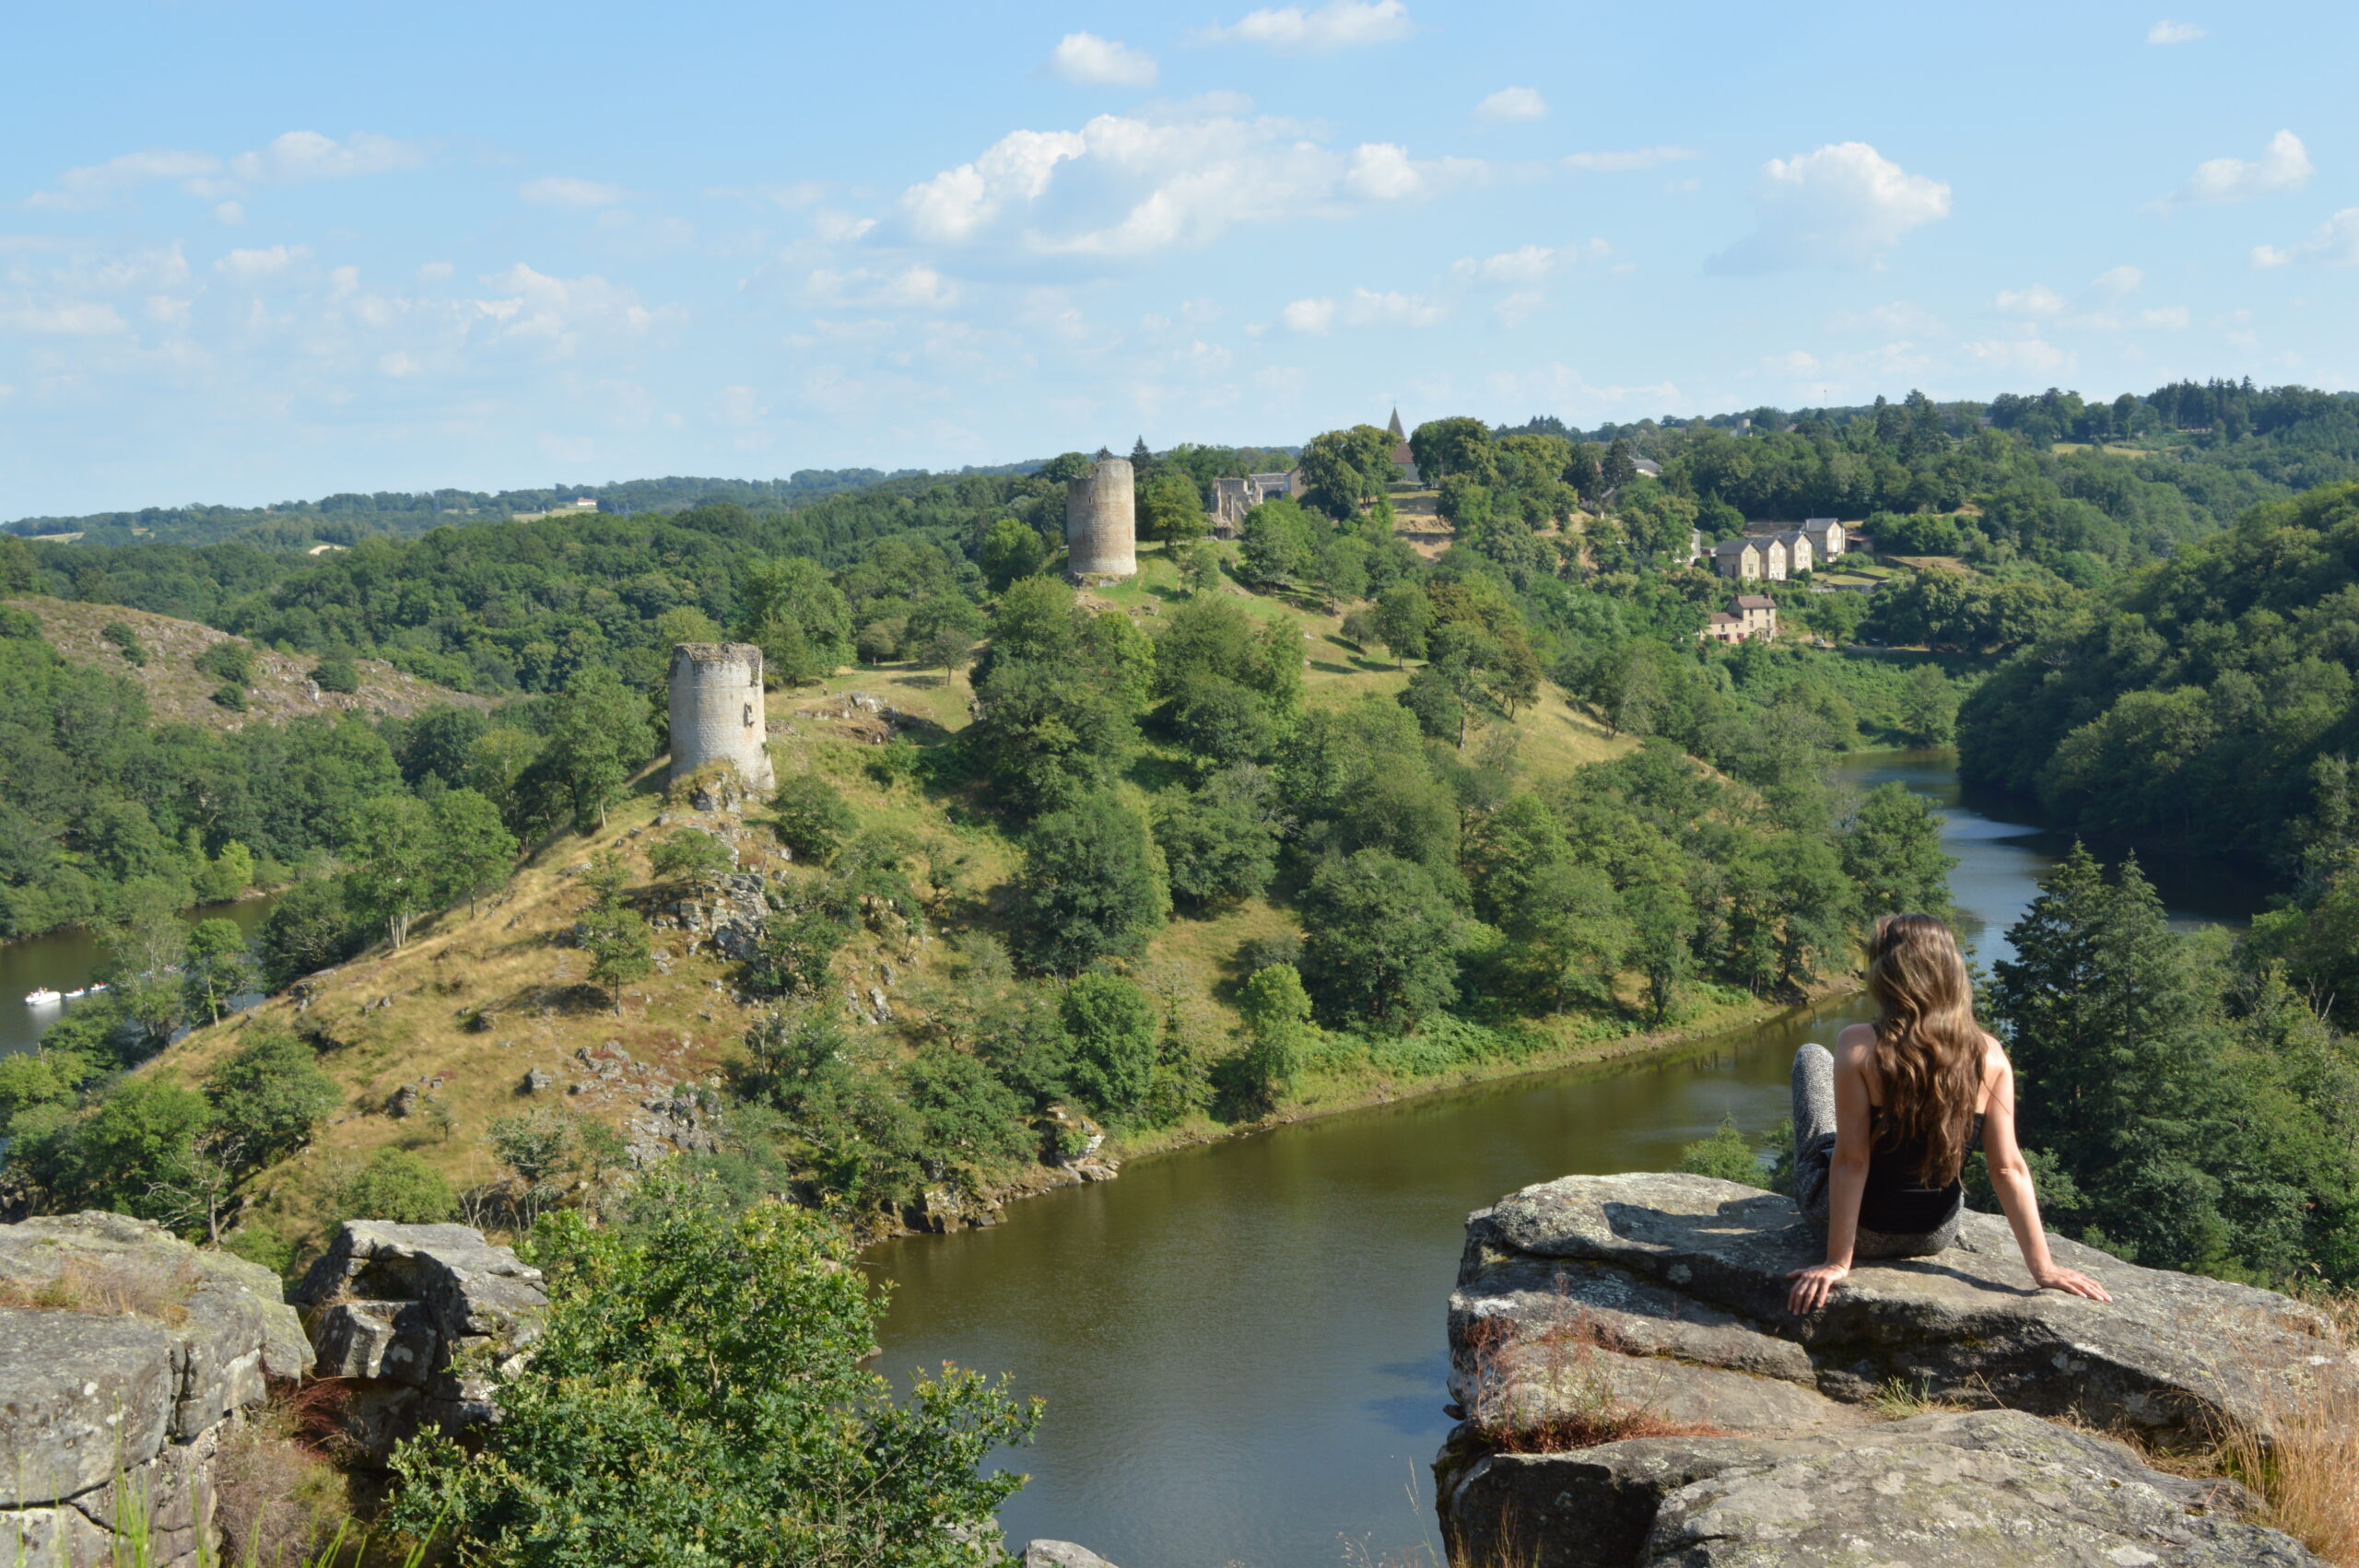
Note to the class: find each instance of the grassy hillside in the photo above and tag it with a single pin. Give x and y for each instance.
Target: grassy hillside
(431, 1044)
(178, 692)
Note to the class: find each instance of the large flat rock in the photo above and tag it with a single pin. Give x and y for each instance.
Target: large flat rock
(1973, 1489)
(2171, 1353)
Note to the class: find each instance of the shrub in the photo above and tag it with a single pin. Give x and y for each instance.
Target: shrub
(1112, 1025)
(699, 1395)
(229, 662)
(120, 634)
(810, 816)
(1726, 1155)
(399, 1187)
(309, 929)
(229, 697)
(1092, 885)
(336, 673)
(271, 1096)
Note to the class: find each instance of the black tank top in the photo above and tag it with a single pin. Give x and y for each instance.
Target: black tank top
(1897, 1202)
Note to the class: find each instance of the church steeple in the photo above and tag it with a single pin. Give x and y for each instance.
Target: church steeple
(1398, 433)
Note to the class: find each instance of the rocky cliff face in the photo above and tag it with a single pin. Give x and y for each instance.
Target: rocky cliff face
(128, 1351)
(418, 1321)
(1635, 1393)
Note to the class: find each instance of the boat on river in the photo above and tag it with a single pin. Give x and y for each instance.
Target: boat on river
(42, 997)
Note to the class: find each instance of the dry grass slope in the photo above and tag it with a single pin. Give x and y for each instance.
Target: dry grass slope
(179, 693)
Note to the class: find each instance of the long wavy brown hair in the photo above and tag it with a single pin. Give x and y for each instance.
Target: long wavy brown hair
(1929, 1048)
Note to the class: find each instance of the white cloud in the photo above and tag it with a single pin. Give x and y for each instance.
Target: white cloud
(1838, 206)
(913, 288)
(1341, 24)
(1636, 161)
(2118, 281)
(2335, 242)
(2284, 165)
(2030, 352)
(1899, 316)
(1308, 315)
(94, 184)
(251, 265)
(166, 310)
(397, 364)
(561, 312)
(1526, 264)
(2168, 31)
(1512, 103)
(2037, 300)
(343, 281)
(1124, 186)
(434, 272)
(229, 215)
(1092, 61)
(566, 190)
(1365, 308)
(307, 155)
(79, 318)
(2170, 318)
(1383, 171)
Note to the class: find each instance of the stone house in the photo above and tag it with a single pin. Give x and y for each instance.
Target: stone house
(1755, 616)
(1741, 558)
(1828, 539)
(1233, 497)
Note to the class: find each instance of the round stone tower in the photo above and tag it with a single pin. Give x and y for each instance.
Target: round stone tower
(1101, 523)
(717, 710)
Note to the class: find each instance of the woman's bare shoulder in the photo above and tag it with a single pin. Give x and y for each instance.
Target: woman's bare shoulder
(1857, 1040)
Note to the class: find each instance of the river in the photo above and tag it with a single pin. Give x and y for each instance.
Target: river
(1241, 1345)
(63, 960)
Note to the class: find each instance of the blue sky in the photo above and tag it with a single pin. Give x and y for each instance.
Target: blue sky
(250, 253)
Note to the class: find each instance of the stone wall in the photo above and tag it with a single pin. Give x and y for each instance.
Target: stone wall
(1633, 1392)
(117, 1380)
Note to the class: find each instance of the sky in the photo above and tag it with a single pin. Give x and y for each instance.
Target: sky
(255, 252)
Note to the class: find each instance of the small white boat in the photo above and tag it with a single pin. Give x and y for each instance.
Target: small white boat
(42, 997)
(78, 993)
(97, 986)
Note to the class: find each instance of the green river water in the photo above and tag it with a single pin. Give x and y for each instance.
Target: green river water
(1241, 1345)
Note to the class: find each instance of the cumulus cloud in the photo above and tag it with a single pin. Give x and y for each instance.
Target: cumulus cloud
(2027, 353)
(78, 318)
(1635, 161)
(1341, 23)
(2118, 281)
(1365, 308)
(560, 312)
(1841, 206)
(307, 155)
(1383, 171)
(2037, 300)
(566, 190)
(2335, 242)
(93, 185)
(2168, 31)
(248, 265)
(1512, 103)
(912, 287)
(2284, 165)
(1123, 186)
(1526, 264)
(1092, 61)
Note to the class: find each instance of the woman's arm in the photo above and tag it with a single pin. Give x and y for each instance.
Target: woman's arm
(2011, 1179)
(1847, 1173)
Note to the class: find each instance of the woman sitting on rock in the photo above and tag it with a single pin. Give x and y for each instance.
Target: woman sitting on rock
(1882, 1124)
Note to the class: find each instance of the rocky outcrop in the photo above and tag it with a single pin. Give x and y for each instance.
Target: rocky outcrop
(420, 1321)
(1635, 1392)
(129, 1351)
(1060, 1554)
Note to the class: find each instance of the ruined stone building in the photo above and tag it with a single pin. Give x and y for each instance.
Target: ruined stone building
(1101, 523)
(716, 708)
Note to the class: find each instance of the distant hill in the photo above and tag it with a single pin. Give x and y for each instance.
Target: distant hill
(345, 519)
(179, 693)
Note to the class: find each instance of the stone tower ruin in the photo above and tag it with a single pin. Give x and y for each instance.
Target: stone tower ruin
(717, 710)
(1102, 523)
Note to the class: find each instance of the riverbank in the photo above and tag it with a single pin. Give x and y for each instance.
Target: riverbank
(1336, 1095)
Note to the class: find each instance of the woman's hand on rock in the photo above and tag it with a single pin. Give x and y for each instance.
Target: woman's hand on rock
(2072, 1282)
(1813, 1286)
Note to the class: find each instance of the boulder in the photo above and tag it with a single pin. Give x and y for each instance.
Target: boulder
(1635, 1392)
(1062, 1554)
(2171, 1355)
(1953, 1490)
(418, 1320)
(138, 1348)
